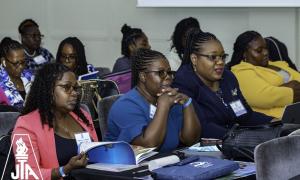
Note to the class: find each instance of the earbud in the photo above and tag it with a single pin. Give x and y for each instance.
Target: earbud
(4, 64)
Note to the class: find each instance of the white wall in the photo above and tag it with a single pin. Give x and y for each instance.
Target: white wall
(98, 22)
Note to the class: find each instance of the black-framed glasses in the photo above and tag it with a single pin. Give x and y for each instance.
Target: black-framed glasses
(68, 88)
(68, 58)
(162, 73)
(34, 36)
(214, 58)
(16, 64)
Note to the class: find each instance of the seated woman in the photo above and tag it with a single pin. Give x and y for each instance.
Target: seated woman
(15, 80)
(153, 114)
(71, 53)
(179, 39)
(268, 86)
(278, 51)
(214, 89)
(51, 117)
(133, 39)
(31, 37)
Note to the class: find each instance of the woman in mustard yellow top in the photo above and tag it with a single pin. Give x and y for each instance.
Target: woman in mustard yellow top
(267, 86)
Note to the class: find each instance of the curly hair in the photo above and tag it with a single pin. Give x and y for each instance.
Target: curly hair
(180, 31)
(240, 46)
(81, 63)
(195, 40)
(7, 44)
(130, 35)
(41, 94)
(141, 60)
(27, 23)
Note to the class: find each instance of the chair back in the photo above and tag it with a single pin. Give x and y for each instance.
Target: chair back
(278, 158)
(7, 121)
(104, 106)
(107, 88)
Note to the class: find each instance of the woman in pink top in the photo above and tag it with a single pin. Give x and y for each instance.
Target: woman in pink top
(51, 117)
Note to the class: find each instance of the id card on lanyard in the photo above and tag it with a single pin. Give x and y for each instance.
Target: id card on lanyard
(238, 108)
(152, 111)
(82, 137)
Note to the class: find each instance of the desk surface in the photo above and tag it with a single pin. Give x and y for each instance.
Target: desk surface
(92, 174)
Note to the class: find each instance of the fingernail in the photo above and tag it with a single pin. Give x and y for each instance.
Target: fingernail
(169, 93)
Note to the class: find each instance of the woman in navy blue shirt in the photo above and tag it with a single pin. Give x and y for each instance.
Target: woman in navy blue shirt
(153, 114)
(214, 89)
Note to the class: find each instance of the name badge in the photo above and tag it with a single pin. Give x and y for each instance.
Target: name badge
(238, 108)
(39, 59)
(82, 137)
(152, 111)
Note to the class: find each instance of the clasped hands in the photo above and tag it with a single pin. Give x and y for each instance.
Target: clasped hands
(171, 96)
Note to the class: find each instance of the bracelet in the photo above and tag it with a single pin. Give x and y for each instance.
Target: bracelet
(187, 103)
(61, 171)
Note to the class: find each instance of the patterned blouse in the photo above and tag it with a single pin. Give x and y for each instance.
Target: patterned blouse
(12, 94)
(35, 63)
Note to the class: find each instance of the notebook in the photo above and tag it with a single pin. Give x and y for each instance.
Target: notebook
(92, 75)
(291, 114)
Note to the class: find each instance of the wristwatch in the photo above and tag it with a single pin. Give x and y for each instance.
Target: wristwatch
(61, 171)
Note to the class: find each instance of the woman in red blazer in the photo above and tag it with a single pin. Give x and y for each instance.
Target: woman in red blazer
(51, 117)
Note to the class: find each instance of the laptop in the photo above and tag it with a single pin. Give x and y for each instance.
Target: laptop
(291, 114)
(123, 80)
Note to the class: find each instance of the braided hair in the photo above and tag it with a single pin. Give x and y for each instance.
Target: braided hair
(141, 60)
(27, 23)
(240, 46)
(7, 44)
(41, 94)
(130, 35)
(196, 39)
(181, 29)
(81, 64)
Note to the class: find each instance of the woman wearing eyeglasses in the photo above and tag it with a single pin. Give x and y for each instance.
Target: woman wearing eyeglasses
(153, 114)
(31, 37)
(51, 117)
(214, 89)
(15, 80)
(268, 86)
(71, 53)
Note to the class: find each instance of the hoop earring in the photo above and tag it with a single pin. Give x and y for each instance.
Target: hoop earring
(195, 69)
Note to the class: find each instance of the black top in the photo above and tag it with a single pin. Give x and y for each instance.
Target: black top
(65, 149)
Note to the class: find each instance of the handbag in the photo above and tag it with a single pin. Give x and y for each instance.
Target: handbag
(240, 141)
(89, 94)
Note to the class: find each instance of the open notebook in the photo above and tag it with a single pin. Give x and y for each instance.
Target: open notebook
(115, 156)
(291, 114)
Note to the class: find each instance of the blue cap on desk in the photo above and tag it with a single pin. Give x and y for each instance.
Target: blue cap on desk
(115, 153)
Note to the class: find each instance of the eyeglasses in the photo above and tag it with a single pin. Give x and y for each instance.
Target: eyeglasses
(68, 58)
(68, 88)
(214, 58)
(34, 36)
(162, 73)
(17, 64)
